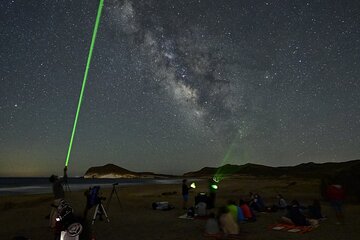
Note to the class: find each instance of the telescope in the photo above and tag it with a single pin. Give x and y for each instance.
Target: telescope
(216, 179)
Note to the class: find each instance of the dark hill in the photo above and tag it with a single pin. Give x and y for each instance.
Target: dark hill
(344, 173)
(322, 169)
(312, 170)
(113, 171)
(229, 169)
(206, 171)
(106, 169)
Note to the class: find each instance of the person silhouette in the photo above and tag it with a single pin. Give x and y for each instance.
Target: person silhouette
(59, 194)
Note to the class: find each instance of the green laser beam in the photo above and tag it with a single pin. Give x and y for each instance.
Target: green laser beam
(226, 158)
(225, 170)
(85, 79)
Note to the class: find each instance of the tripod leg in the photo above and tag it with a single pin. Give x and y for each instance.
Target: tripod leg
(95, 213)
(67, 187)
(118, 199)
(108, 202)
(102, 207)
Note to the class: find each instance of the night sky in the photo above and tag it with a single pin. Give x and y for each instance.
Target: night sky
(177, 85)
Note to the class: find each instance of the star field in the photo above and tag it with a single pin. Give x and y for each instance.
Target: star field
(175, 85)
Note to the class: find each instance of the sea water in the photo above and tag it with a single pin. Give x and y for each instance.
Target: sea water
(39, 185)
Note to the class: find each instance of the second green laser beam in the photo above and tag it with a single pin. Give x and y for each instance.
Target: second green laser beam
(85, 78)
(225, 170)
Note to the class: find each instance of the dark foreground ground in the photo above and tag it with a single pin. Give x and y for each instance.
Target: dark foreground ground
(135, 219)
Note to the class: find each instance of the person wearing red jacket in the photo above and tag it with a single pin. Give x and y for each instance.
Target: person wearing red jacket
(336, 195)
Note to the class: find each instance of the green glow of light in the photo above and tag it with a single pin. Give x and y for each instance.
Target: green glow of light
(213, 186)
(215, 179)
(85, 78)
(224, 169)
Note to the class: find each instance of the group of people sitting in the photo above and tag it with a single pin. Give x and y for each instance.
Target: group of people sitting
(303, 216)
(227, 220)
(295, 213)
(257, 203)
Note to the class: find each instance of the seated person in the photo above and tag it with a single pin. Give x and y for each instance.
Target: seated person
(248, 214)
(227, 222)
(240, 215)
(282, 204)
(279, 205)
(235, 211)
(315, 210)
(231, 206)
(294, 216)
(212, 226)
(257, 203)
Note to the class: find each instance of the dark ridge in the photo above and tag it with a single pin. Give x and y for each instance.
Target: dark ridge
(107, 169)
(99, 171)
(312, 170)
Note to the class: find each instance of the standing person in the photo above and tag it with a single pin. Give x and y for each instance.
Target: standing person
(336, 195)
(185, 193)
(212, 193)
(59, 194)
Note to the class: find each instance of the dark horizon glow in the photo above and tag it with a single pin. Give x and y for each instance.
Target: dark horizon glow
(173, 83)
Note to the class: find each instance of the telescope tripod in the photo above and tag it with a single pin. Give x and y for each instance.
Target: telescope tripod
(111, 195)
(99, 210)
(67, 187)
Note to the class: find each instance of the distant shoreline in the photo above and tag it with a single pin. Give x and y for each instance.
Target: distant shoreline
(41, 185)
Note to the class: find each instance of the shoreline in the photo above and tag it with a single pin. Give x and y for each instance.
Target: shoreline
(43, 186)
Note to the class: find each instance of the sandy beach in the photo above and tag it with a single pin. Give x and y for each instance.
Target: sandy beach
(135, 218)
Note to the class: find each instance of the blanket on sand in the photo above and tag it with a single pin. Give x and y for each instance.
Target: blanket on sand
(291, 228)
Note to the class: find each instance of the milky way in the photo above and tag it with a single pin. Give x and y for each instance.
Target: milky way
(175, 85)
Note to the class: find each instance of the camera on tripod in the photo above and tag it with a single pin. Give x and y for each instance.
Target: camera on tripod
(93, 199)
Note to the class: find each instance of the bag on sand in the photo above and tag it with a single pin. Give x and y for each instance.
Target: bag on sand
(190, 212)
(162, 206)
